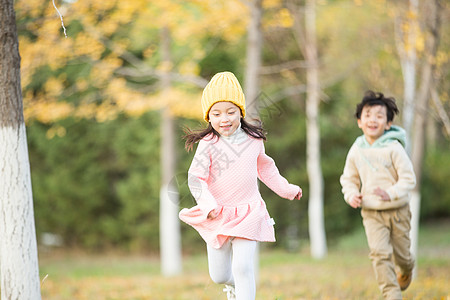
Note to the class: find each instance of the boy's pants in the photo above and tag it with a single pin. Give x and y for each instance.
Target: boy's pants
(387, 234)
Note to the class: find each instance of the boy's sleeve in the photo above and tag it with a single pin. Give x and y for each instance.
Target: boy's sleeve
(405, 172)
(198, 175)
(350, 180)
(269, 174)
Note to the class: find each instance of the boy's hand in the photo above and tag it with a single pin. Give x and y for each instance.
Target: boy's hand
(299, 195)
(382, 193)
(356, 201)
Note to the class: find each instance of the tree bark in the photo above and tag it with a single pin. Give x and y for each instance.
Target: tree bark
(418, 146)
(170, 235)
(254, 48)
(252, 85)
(406, 45)
(18, 249)
(315, 210)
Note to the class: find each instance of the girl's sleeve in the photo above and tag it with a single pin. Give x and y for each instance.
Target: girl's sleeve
(405, 172)
(198, 175)
(268, 173)
(350, 180)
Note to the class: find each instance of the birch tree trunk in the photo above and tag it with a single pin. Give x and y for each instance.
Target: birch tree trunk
(253, 58)
(251, 85)
(406, 45)
(315, 210)
(170, 236)
(418, 146)
(19, 269)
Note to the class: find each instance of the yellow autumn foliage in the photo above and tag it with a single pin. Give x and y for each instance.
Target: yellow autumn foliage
(106, 111)
(86, 111)
(53, 87)
(189, 67)
(216, 18)
(180, 102)
(55, 130)
(86, 44)
(188, 23)
(442, 58)
(282, 18)
(184, 104)
(103, 70)
(268, 4)
(81, 84)
(47, 111)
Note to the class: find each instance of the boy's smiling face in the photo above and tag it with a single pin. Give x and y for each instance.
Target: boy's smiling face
(225, 117)
(373, 122)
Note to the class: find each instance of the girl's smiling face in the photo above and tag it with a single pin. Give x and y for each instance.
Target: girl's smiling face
(373, 122)
(225, 117)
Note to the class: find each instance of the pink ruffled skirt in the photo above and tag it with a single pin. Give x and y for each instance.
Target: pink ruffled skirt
(250, 221)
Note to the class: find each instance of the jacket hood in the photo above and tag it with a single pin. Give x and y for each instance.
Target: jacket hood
(395, 133)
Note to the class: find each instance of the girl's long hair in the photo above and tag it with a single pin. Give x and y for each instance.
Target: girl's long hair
(193, 136)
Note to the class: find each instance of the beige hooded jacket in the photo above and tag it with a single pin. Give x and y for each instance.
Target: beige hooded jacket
(383, 164)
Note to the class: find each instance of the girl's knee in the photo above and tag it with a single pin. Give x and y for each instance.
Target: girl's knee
(220, 277)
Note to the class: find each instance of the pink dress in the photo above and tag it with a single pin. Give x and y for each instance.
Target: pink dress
(224, 176)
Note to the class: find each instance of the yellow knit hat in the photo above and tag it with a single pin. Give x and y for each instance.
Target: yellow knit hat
(223, 86)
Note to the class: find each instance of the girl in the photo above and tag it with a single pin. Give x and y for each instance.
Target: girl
(230, 214)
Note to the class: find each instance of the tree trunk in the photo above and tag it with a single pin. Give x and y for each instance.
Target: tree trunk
(18, 249)
(440, 110)
(252, 86)
(406, 44)
(254, 48)
(315, 210)
(418, 146)
(170, 236)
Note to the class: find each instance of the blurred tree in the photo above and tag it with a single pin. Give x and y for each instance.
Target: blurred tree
(313, 154)
(253, 59)
(407, 36)
(251, 84)
(432, 20)
(307, 36)
(19, 270)
(169, 229)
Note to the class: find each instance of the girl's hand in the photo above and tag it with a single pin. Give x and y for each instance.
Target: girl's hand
(299, 195)
(382, 193)
(213, 214)
(356, 201)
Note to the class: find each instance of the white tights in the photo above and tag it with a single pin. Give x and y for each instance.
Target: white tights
(233, 264)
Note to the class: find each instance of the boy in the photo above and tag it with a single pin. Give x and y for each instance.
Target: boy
(378, 176)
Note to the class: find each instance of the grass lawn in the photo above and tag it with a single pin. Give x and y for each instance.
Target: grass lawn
(345, 273)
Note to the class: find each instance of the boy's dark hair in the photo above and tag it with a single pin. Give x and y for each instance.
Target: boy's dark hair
(193, 136)
(371, 98)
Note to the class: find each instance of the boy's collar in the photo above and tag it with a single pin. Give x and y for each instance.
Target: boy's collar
(395, 133)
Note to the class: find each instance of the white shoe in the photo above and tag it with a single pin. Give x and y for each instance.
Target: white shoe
(231, 293)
